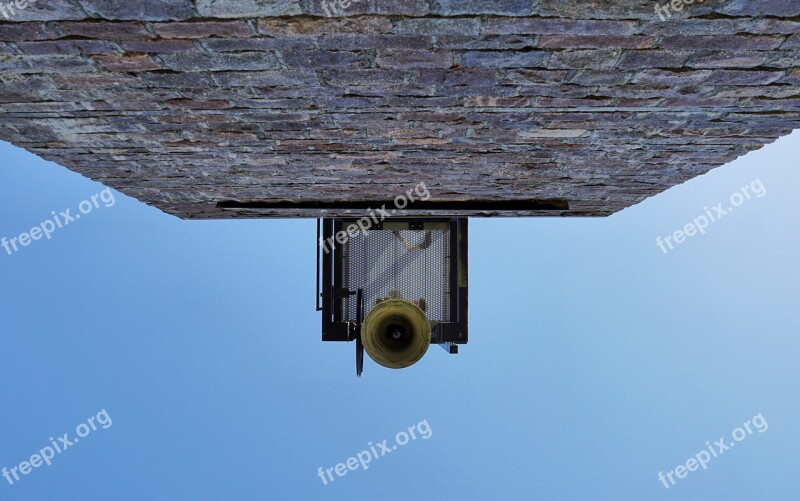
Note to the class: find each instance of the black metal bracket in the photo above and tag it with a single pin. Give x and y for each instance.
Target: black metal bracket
(359, 342)
(450, 348)
(318, 247)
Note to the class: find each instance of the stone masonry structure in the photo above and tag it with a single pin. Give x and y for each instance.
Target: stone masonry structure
(597, 103)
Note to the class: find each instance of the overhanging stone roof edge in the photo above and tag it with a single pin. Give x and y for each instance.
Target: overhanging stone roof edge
(185, 104)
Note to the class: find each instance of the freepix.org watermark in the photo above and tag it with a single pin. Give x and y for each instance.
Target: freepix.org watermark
(7, 8)
(715, 450)
(365, 457)
(58, 221)
(676, 5)
(334, 7)
(701, 223)
(48, 452)
(375, 217)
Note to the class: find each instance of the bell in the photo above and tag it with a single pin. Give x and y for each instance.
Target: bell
(396, 333)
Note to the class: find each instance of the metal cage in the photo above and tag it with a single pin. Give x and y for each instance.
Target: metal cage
(423, 260)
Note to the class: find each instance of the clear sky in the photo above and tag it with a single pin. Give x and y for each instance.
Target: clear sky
(595, 360)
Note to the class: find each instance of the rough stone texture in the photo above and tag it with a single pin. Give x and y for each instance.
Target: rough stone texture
(183, 104)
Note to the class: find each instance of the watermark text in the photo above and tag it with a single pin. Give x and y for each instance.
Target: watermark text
(47, 453)
(365, 457)
(701, 223)
(58, 221)
(713, 450)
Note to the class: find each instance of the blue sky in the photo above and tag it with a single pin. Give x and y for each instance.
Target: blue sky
(595, 360)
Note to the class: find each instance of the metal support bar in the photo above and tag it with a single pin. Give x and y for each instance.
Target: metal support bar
(359, 342)
(317, 246)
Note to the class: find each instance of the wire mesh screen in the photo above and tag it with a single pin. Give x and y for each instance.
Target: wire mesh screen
(405, 264)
